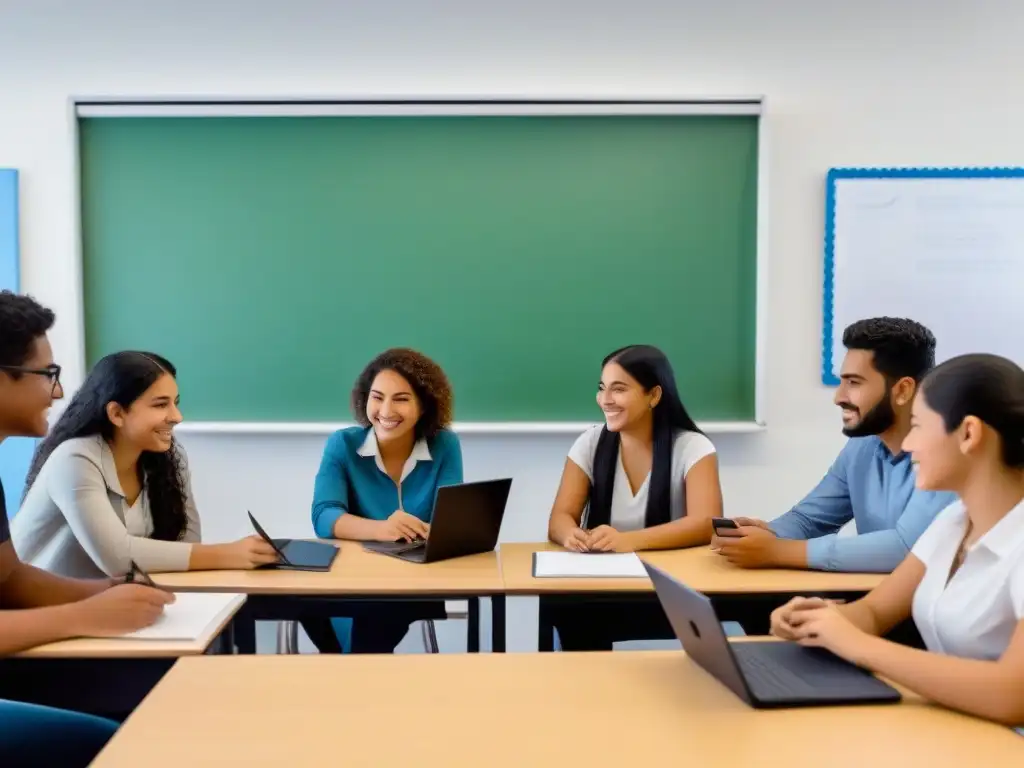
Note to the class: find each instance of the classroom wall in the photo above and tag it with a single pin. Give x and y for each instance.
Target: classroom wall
(873, 82)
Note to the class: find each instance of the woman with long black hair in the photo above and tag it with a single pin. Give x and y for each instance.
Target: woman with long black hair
(645, 479)
(109, 485)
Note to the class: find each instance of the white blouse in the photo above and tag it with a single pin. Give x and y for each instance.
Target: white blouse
(976, 613)
(629, 510)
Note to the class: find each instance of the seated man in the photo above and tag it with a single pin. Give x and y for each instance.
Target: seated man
(872, 479)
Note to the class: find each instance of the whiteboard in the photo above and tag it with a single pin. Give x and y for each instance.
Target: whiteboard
(944, 247)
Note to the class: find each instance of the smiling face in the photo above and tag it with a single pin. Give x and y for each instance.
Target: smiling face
(864, 395)
(25, 399)
(392, 407)
(940, 457)
(623, 399)
(148, 423)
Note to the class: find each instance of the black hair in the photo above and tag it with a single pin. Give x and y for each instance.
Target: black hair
(901, 347)
(427, 379)
(122, 378)
(988, 387)
(649, 366)
(22, 321)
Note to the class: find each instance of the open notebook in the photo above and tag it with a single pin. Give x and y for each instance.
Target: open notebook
(191, 616)
(584, 565)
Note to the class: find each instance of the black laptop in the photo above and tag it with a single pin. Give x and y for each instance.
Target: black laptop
(297, 554)
(764, 673)
(466, 521)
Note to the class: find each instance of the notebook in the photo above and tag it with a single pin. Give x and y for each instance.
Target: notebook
(587, 565)
(191, 616)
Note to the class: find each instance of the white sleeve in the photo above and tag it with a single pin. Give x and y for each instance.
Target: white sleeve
(583, 450)
(1017, 589)
(940, 529)
(76, 485)
(689, 448)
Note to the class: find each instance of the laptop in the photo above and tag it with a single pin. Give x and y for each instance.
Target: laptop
(466, 521)
(765, 674)
(297, 554)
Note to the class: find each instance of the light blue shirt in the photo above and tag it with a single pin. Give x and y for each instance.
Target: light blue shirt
(871, 486)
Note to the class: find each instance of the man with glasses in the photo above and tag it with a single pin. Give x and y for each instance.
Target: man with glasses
(37, 607)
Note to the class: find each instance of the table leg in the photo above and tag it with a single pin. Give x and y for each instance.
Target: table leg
(473, 626)
(497, 623)
(545, 629)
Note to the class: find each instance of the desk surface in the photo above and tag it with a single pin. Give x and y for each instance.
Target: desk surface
(699, 567)
(127, 648)
(355, 572)
(594, 709)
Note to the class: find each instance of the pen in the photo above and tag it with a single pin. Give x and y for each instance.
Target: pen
(137, 575)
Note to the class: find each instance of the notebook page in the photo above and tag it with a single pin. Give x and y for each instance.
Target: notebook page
(191, 616)
(572, 565)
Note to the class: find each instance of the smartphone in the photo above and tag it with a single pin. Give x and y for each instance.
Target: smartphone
(722, 523)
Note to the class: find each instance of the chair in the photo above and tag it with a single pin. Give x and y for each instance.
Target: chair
(288, 631)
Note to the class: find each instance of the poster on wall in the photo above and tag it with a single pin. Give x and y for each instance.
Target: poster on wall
(15, 452)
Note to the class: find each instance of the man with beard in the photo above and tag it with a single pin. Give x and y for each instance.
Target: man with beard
(871, 481)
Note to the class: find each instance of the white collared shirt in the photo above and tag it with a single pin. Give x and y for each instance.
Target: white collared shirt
(976, 613)
(370, 447)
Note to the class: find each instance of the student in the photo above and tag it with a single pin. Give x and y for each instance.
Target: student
(110, 484)
(377, 481)
(37, 607)
(871, 481)
(645, 479)
(963, 581)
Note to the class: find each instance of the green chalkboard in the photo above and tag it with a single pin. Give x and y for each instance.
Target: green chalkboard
(271, 257)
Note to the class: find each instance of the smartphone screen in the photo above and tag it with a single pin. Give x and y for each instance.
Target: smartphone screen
(720, 523)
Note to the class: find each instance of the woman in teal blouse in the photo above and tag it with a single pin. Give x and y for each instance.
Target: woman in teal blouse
(377, 482)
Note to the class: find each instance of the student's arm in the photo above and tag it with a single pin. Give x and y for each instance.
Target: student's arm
(450, 470)
(878, 551)
(194, 529)
(331, 519)
(824, 510)
(989, 689)
(25, 586)
(75, 483)
(703, 502)
(564, 522)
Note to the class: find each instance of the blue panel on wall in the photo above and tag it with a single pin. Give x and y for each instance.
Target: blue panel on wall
(15, 452)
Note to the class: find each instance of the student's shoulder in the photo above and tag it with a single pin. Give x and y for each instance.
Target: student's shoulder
(346, 440)
(692, 443)
(444, 442)
(90, 447)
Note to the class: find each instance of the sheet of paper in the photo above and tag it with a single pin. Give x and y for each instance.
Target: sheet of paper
(570, 565)
(190, 616)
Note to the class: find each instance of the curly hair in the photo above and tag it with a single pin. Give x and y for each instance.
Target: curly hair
(22, 321)
(122, 378)
(901, 347)
(428, 381)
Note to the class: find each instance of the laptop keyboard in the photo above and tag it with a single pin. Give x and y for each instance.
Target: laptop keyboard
(768, 678)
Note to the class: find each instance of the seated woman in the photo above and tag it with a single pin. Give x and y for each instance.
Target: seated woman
(110, 485)
(646, 479)
(377, 481)
(963, 581)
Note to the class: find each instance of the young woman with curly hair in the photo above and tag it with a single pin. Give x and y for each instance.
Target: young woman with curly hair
(377, 480)
(110, 485)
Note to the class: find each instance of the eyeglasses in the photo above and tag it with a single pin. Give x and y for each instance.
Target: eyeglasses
(52, 372)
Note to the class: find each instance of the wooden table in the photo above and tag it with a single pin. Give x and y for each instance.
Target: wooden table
(735, 591)
(357, 576)
(591, 709)
(104, 676)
